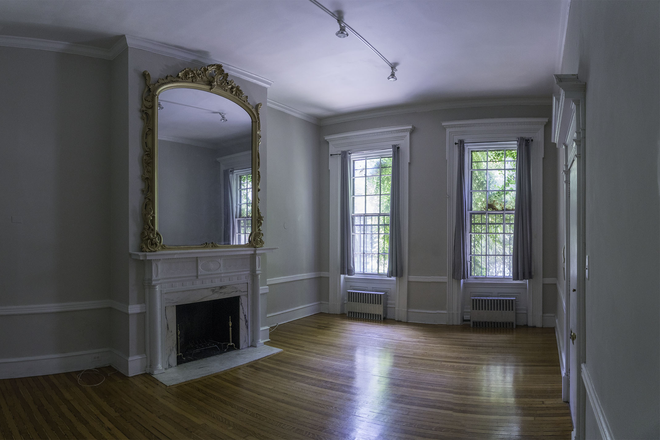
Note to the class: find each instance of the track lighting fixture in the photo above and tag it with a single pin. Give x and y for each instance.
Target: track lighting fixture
(223, 117)
(342, 33)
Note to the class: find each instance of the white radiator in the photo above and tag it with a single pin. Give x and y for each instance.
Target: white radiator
(365, 305)
(493, 312)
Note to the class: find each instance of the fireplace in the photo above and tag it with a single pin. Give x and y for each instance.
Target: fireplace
(206, 329)
(217, 285)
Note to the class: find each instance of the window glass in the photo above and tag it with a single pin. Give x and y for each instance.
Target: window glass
(492, 191)
(372, 182)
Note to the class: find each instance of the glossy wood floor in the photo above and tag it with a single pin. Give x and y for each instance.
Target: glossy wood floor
(336, 379)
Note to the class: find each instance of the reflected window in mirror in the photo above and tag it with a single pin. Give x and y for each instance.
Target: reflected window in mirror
(244, 206)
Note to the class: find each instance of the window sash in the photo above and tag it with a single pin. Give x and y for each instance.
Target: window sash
(491, 212)
(370, 205)
(243, 197)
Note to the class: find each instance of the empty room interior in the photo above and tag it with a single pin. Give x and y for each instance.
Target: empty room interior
(369, 219)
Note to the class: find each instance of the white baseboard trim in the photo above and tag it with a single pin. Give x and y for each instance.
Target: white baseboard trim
(427, 316)
(264, 335)
(299, 277)
(423, 279)
(72, 307)
(325, 307)
(53, 364)
(549, 319)
(128, 366)
(293, 314)
(601, 419)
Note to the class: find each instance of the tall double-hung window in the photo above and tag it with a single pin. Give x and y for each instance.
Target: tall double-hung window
(243, 220)
(371, 176)
(491, 182)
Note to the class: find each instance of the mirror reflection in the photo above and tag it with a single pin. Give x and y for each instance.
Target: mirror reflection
(204, 169)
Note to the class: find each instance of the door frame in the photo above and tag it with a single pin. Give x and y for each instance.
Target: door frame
(573, 90)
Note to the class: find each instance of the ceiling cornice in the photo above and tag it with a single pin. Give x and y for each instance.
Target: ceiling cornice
(563, 29)
(59, 46)
(192, 56)
(444, 105)
(121, 45)
(292, 111)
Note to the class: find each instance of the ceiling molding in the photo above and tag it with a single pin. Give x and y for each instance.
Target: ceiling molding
(443, 105)
(61, 46)
(121, 45)
(192, 56)
(563, 28)
(292, 111)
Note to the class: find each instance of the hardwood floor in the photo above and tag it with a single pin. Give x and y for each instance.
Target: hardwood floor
(336, 379)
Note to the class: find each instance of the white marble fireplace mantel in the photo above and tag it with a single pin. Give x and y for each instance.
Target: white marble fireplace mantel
(187, 276)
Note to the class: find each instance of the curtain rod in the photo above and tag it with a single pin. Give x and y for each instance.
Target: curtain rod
(339, 154)
(495, 142)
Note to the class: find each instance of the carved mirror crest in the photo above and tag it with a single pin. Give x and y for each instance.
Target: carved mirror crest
(200, 163)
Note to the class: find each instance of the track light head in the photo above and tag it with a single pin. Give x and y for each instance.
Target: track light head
(392, 76)
(341, 33)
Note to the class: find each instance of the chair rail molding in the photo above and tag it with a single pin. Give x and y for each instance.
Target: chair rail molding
(356, 141)
(485, 130)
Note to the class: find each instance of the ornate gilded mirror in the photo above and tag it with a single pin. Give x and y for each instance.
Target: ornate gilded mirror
(200, 164)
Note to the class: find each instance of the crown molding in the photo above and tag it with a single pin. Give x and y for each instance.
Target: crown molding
(496, 122)
(124, 42)
(292, 111)
(563, 28)
(63, 47)
(443, 105)
(193, 56)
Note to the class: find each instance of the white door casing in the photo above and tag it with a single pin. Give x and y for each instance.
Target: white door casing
(573, 91)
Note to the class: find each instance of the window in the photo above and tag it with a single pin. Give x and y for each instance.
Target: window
(491, 180)
(372, 182)
(243, 185)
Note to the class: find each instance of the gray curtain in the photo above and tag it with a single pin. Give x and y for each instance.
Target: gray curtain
(346, 266)
(395, 260)
(460, 265)
(229, 217)
(522, 226)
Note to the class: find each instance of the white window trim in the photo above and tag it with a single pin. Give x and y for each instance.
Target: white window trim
(356, 142)
(485, 130)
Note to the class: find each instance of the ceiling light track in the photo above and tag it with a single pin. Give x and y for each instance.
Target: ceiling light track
(341, 33)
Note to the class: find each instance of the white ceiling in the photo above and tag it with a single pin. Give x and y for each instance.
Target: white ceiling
(446, 50)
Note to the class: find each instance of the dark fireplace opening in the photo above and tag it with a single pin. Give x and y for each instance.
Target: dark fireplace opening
(203, 328)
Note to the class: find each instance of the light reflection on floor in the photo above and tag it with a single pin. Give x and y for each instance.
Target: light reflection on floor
(497, 384)
(372, 376)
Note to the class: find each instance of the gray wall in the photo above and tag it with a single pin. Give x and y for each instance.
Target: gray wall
(614, 48)
(54, 210)
(295, 171)
(428, 190)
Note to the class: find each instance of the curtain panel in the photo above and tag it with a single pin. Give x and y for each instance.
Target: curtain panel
(346, 265)
(522, 226)
(460, 264)
(395, 260)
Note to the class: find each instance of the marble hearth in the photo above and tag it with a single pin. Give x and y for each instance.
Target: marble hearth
(173, 278)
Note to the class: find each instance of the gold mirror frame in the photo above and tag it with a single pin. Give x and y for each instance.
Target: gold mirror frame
(212, 79)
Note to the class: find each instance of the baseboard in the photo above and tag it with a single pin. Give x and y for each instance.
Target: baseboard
(549, 319)
(53, 364)
(293, 314)
(264, 335)
(601, 419)
(128, 366)
(325, 307)
(427, 316)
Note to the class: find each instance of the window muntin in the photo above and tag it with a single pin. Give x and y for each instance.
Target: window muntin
(243, 219)
(371, 188)
(492, 199)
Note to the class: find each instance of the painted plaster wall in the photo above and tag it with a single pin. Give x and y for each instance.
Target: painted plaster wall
(54, 211)
(294, 211)
(614, 47)
(428, 189)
